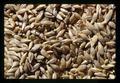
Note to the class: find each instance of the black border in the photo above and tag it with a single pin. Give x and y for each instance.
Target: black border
(1, 42)
(60, 1)
(117, 41)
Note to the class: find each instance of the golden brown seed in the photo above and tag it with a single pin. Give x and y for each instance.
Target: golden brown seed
(31, 77)
(22, 11)
(46, 23)
(55, 67)
(39, 7)
(25, 40)
(23, 58)
(30, 57)
(39, 16)
(51, 33)
(79, 59)
(83, 36)
(44, 53)
(61, 33)
(54, 76)
(82, 67)
(86, 31)
(108, 16)
(22, 76)
(112, 24)
(35, 67)
(111, 76)
(100, 49)
(21, 69)
(35, 47)
(15, 64)
(12, 70)
(62, 63)
(94, 40)
(49, 69)
(9, 74)
(39, 57)
(74, 18)
(48, 75)
(30, 6)
(17, 73)
(53, 60)
(68, 63)
(99, 74)
(64, 10)
(14, 57)
(42, 69)
(59, 17)
(94, 18)
(30, 45)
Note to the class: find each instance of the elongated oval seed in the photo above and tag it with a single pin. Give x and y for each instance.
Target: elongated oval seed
(39, 57)
(22, 11)
(30, 45)
(53, 60)
(94, 18)
(60, 33)
(25, 40)
(110, 43)
(54, 76)
(35, 47)
(100, 74)
(70, 34)
(23, 58)
(30, 57)
(9, 74)
(83, 36)
(12, 70)
(41, 6)
(111, 24)
(62, 63)
(98, 78)
(100, 49)
(15, 64)
(55, 67)
(35, 67)
(31, 77)
(46, 23)
(66, 41)
(37, 74)
(108, 16)
(22, 76)
(30, 6)
(14, 57)
(79, 59)
(51, 33)
(68, 63)
(17, 73)
(21, 69)
(108, 66)
(111, 76)
(86, 31)
(59, 17)
(94, 40)
(44, 53)
(49, 69)
(42, 69)
(39, 16)
(82, 67)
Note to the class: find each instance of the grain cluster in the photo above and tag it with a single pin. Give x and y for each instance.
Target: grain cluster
(59, 41)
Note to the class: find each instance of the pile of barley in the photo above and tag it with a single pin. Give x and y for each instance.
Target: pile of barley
(59, 41)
